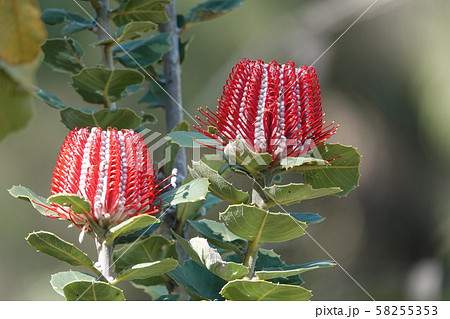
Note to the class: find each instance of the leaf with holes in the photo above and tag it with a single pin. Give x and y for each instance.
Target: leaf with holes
(100, 85)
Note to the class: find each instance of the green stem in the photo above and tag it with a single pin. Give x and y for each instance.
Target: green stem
(259, 199)
(250, 258)
(182, 220)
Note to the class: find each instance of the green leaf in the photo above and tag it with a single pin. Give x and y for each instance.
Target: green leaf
(130, 226)
(189, 210)
(16, 106)
(50, 99)
(54, 246)
(63, 55)
(211, 201)
(211, 9)
(100, 85)
(198, 282)
(198, 249)
(141, 10)
(255, 224)
(169, 297)
(342, 172)
(291, 270)
(72, 201)
(259, 290)
(150, 249)
(182, 48)
(130, 31)
(148, 118)
(155, 292)
(104, 118)
(154, 96)
(191, 139)
(294, 163)
(60, 279)
(190, 192)
(86, 290)
(146, 270)
(22, 31)
(38, 202)
(140, 234)
(142, 53)
(268, 259)
(218, 186)
(295, 193)
(308, 218)
(74, 22)
(239, 155)
(24, 75)
(218, 235)
(171, 151)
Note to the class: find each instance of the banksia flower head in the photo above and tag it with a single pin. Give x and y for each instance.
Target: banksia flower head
(111, 170)
(272, 108)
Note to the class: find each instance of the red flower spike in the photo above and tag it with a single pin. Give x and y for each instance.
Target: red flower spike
(272, 108)
(111, 170)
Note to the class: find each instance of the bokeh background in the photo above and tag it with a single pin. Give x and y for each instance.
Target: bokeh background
(386, 81)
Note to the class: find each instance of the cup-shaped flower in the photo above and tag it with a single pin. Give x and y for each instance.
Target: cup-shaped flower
(110, 169)
(272, 108)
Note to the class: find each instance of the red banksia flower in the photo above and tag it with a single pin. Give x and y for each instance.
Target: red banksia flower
(111, 170)
(272, 108)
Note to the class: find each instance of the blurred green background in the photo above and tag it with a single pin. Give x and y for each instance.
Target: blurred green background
(386, 82)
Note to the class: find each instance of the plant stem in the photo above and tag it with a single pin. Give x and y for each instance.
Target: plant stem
(260, 200)
(172, 76)
(103, 32)
(104, 263)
